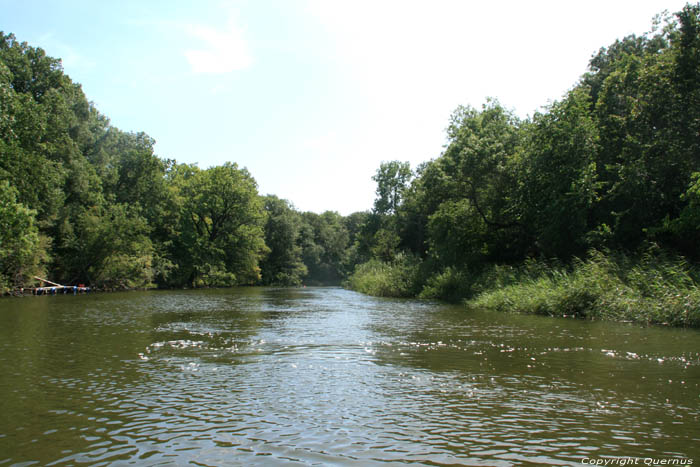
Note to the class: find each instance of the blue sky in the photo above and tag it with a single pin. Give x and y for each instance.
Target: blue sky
(311, 95)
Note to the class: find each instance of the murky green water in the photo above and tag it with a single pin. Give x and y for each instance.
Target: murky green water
(330, 377)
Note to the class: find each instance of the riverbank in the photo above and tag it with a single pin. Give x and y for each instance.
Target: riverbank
(651, 288)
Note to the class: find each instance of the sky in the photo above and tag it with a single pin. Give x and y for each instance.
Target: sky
(312, 95)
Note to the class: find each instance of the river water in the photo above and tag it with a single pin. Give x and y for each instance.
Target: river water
(326, 376)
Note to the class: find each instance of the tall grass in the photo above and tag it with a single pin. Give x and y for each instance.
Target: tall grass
(455, 285)
(653, 289)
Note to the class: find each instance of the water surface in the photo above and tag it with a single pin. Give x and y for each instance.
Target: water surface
(259, 376)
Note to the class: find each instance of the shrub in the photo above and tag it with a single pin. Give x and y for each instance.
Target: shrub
(451, 284)
(398, 278)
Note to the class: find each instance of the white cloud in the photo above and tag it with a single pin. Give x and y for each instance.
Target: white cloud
(223, 51)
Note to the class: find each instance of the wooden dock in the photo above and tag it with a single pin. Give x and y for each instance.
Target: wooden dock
(56, 288)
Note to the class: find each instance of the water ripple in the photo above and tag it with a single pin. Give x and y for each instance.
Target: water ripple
(329, 377)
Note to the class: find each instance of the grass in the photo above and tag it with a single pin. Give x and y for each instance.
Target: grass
(651, 288)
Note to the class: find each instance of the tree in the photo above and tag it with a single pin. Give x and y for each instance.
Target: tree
(20, 248)
(106, 246)
(558, 176)
(479, 166)
(648, 116)
(283, 265)
(324, 239)
(457, 235)
(482, 150)
(361, 228)
(392, 180)
(221, 236)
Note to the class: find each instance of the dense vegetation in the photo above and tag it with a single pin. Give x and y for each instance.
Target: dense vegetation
(83, 202)
(588, 208)
(609, 174)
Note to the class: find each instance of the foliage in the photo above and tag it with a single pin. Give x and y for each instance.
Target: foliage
(19, 240)
(683, 232)
(108, 210)
(106, 246)
(611, 166)
(283, 265)
(222, 219)
(558, 174)
(324, 240)
(392, 181)
(654, 289)
(398, 278)
(451, 284)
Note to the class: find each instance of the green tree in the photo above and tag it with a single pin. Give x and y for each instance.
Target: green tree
(19, 240)
(558, 176)
(648, 116)
(683, 232)
(106, 246)
(221, 236)
(23, 129)
(324, 239)
(284, 264)
(392, 180)
(479, 166)
(361, 228)
(457, 235)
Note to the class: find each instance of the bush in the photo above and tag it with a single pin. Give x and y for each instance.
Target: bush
(398, 278)
(451, 284)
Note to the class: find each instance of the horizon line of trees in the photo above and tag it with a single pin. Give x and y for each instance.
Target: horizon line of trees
(615, 164)
(84, 202)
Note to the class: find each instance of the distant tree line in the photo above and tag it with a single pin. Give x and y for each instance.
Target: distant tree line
(83, 202)
(613, 166)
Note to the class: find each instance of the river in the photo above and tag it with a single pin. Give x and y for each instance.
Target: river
(326, 376)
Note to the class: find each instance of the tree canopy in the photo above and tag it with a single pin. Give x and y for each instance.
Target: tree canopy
(614, 164)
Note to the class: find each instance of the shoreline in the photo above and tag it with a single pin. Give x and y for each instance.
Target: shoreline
(650, 289)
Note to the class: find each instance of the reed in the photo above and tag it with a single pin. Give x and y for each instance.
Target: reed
(655, 288)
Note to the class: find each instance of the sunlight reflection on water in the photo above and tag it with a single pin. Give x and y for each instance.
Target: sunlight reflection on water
(328, 376)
